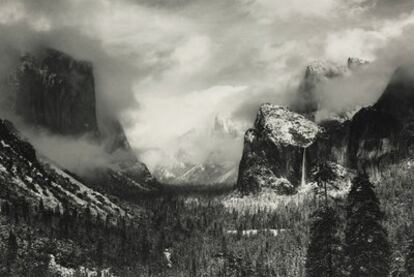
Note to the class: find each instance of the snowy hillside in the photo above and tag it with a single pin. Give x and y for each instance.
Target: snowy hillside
(23, 175)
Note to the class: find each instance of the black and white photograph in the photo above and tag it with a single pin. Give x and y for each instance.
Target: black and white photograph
(206, 138)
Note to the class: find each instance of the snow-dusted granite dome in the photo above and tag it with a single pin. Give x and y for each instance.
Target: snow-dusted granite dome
(274, 150)
(282, 126)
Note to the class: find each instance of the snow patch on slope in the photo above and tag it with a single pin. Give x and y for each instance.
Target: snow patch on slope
(102, 205)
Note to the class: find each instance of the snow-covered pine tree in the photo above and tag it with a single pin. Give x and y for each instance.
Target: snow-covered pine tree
(324, 255)
(366, 241)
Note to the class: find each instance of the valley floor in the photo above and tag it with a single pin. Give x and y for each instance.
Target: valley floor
(191, 233)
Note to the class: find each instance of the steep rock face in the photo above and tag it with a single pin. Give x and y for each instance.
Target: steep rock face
(383, 133)
(398, 97)
(372, 140)
(274, 150)
(56, 92)
(376, 136)
(331, 144)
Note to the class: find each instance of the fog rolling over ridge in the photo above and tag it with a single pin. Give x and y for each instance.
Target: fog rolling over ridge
(168, 68)
(193, 138)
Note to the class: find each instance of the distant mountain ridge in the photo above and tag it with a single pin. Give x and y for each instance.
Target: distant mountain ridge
(214, 169)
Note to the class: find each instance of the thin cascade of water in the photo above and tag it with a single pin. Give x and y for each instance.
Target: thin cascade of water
(303, 179)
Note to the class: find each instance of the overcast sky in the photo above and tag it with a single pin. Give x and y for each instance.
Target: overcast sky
(168, 66)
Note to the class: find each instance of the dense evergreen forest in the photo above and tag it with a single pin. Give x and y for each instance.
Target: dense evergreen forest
(193, 233)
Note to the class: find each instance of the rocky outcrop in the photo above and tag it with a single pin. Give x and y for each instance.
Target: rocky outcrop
(372, 140)
(54, 91)
(306, 99)
(383, 133)
(274, 150)
(329, 142)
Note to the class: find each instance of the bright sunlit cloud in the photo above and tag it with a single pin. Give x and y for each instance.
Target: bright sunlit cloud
(168, 67)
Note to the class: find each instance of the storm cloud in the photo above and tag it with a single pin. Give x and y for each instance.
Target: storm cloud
(168, 67)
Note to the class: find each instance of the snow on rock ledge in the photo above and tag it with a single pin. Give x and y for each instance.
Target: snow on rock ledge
(285, 127)
(274, 150)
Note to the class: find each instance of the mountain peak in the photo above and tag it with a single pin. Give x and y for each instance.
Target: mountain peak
(306, 100)
(226, 126)
(323, 69)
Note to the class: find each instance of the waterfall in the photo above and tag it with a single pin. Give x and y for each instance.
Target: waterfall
(303, 180)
